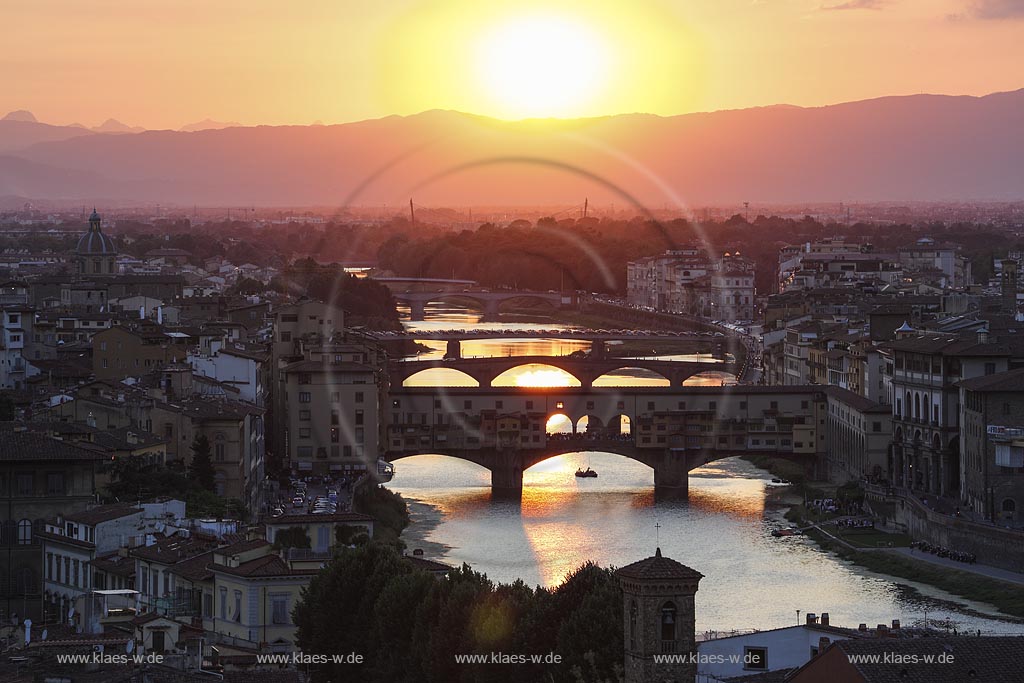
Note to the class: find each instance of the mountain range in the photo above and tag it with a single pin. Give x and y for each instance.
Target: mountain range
(909, 148)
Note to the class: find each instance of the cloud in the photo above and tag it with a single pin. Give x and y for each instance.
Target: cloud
(996, 9)
(857, 4)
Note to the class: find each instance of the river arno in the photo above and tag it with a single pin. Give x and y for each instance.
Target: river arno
(752, 580)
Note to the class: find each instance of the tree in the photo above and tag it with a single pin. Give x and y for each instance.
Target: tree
(201, 469)
(292, 537)
(8, 411)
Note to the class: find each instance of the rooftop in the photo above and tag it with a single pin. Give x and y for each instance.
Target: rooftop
(658, 567)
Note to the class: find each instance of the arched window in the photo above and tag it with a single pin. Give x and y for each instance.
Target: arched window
(1009, 505)
(219, 480)
(917, 405)
(219, 447)
(25, 532)
(668, 621)
(633, 612)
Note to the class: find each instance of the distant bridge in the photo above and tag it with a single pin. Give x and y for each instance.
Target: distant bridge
(586, 370)
(418, 292)
(672, 430)
(580, 334)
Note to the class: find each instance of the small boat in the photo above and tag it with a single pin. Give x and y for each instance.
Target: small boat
(780, 533)
(586, 473)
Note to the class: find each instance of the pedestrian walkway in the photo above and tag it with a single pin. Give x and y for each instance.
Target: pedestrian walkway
(980, 569)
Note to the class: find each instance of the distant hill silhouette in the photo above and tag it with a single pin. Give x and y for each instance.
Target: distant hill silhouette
(920, 147)
(208, 124)
(115, 126)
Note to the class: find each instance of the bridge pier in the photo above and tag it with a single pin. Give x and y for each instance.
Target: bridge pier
(506, 475)
(491, 312)
(672, 475)
(454, 349)
(417, 310)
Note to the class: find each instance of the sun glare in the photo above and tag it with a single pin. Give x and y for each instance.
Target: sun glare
(541, 66)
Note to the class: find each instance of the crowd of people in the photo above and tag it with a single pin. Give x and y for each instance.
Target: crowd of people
(940, 551)
(856, 523)
(589, 436)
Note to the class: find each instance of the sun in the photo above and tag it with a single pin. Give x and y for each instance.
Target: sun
(542, 66)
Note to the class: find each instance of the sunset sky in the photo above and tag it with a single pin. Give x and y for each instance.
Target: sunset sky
(165, 63)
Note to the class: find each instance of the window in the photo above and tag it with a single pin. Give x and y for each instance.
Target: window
(668, 626)
(55, 484)
(990, 368)
(304, 415)
(359, 417)
(25, 483)
(25, 532)
(466, 405)
(335, 396)
(304, 432)
(876, 426)
(755, 658)
(238, 606)
(529, 405)
(223, 603)
(207, 605)
(279, 609)
(498, 405)
(305, 397)
(335, 435)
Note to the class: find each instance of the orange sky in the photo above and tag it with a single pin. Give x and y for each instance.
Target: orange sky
(165, 63)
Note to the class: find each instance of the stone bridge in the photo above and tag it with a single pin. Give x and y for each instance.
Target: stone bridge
(670, 429)
(586, 370)
(489, 302)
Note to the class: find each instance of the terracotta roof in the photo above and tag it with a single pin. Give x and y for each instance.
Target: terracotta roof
(101, 513)
(30, 446)
(1011, 380)
(658, 567)
(195, 568)
(268, 565)
(61, 538)
(978, 658)
(175, 549)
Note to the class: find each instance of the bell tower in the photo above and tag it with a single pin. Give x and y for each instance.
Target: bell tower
(658, 611)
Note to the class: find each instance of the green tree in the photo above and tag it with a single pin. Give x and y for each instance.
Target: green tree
(201, 469)
(292, 537)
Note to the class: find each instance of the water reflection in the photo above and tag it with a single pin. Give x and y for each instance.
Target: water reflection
(723, 530)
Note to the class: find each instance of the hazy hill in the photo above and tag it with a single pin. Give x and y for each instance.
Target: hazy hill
(921, 147)
(18, 131)
(208, 124)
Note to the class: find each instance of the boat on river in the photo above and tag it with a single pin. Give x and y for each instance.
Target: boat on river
(587, 473)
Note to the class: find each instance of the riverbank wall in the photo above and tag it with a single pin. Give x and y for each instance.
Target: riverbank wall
(993, 545)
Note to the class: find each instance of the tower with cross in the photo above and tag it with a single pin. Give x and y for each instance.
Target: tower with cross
(658, 611)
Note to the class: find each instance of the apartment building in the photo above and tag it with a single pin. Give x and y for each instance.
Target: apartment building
(992, 444)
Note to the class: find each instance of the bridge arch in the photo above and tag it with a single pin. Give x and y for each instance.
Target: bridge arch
(536, 375)
(710, 378)
(440, 377)
(643, 377)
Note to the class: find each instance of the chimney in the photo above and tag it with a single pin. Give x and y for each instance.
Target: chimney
(895, 624)
(823, 643)
(824, 618)
(812, 618)
(862, 627)
(882, 631)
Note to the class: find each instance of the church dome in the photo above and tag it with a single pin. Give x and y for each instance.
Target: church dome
(94, 242)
